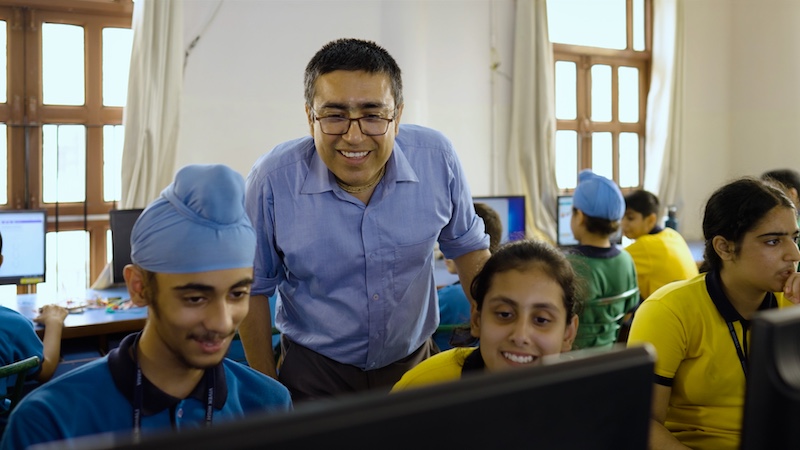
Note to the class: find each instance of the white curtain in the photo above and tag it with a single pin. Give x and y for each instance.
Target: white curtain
(154, 92)
(663, 145)
(530, 162)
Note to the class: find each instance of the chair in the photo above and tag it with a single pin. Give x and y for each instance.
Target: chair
(14, 391)
(605, 316)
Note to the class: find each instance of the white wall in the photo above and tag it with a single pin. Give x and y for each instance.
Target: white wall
(243, 81)
(243, 91)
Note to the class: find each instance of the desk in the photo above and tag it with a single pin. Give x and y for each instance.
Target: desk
(91, 322)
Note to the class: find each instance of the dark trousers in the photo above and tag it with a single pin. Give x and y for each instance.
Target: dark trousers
(309, 375)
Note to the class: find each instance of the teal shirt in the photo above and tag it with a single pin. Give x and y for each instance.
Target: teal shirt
(605, 272)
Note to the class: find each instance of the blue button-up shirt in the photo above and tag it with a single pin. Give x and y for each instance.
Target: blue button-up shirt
(356, 281)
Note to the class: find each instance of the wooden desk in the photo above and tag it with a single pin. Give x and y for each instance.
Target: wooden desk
(91, 322)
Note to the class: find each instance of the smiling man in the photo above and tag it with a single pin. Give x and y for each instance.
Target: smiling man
(192, 251)
(346, 221)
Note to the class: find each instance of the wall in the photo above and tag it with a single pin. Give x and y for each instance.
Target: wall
(243, 81)
(243, 91)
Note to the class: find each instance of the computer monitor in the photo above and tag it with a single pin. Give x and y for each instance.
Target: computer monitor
(23, 233)
(772, 397)
(599, 401)
(121, 222)
(511, 209)
(565, 237)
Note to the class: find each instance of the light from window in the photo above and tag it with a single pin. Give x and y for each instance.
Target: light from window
(113, 139)
(602, 162)
(117, 43)
(3, 164)
(601, 93)
(638, 25)
(595, 23)
(567, 157)
(3, 62)
(67, 269)
(62, 64)
(628, 160)
(63, 163)
(566, 88)
(628, 94)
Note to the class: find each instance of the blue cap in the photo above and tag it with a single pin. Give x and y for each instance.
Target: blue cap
(597, 196)
(198, 224)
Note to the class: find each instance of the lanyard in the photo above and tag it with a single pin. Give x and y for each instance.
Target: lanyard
(739, 350)
(138, 397)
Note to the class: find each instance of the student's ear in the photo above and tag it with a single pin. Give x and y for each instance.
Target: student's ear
(650, 221)
(569, 334)
(474, 321)
(310, 117)
(724, 248)
(134, 280)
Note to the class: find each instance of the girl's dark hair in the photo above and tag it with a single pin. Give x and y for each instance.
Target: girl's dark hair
(352, 55)
(735, 209)
(526, 253)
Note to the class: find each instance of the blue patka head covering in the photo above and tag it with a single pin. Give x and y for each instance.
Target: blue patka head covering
(597, 196)
(198, 224)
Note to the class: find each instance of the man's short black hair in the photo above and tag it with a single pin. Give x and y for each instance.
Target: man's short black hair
(643, 202)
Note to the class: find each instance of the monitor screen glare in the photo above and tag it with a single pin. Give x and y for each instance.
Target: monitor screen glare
(23, 233)
(511, 210)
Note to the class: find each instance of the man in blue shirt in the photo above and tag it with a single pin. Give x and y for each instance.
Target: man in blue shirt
(346, 221)
(192, 251)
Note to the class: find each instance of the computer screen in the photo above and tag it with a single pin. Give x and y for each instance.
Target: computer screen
(599, 401)
(23, 233)
(772, 396)
(565, 237)
(121, 222)
(511, 209)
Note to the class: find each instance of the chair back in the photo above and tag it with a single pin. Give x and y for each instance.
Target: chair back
(607, 314)
(14, 391)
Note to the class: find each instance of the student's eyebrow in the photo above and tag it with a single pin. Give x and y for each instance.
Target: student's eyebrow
(515, 304)
(777, 234)
(206, 288)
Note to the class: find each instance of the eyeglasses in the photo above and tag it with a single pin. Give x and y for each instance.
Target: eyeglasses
(369, 125)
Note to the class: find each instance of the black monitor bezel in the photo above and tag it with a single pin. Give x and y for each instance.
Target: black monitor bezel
(121, 226)
(602, 400)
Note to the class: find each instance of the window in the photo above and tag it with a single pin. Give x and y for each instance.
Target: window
(602, 56)
(61, 125)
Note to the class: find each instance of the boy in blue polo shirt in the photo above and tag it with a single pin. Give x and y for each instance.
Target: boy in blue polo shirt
(192, 251)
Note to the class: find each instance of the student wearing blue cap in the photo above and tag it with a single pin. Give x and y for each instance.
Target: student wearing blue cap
(608, 270)
(192, 251)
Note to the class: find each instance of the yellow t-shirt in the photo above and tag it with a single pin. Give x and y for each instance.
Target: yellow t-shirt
(439, 368)
(661, 258)
(695, 350)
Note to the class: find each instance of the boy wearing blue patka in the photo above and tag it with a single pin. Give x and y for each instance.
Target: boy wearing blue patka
(192, 251)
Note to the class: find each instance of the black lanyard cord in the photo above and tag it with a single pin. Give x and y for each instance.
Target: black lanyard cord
(739, 350)
(138, 397)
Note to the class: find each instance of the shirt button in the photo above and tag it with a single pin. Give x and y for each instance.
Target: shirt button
(179, 413)
(375, 296)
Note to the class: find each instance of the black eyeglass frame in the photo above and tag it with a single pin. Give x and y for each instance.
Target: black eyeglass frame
(315, 116)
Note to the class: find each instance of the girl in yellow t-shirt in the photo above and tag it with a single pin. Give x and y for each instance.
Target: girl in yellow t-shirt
(526, 307)
(699, 327)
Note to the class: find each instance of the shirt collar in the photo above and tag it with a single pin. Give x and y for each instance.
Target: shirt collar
(724, 306)
(122, 365)
(597, 252)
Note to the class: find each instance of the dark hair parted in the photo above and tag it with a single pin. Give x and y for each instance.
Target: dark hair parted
(528, 253)
(643, 202)
(352, 55)
(492, 224)
(733, 210)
